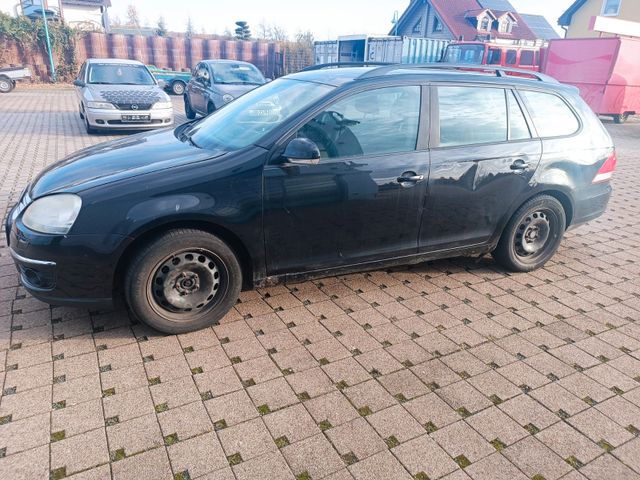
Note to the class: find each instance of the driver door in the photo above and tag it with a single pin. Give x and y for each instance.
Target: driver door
(363, 199)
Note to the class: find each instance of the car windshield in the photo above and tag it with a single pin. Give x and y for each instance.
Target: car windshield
(471, 54)
(237, 73)
(247, 119)
(119, 74)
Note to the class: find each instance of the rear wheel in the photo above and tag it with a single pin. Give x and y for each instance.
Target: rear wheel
(533, 235)
(185, 280)
(177, 87)
(6, 84)
(188, 110)
(621, 118)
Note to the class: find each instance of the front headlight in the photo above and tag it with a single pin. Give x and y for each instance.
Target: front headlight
(162, 105)
(53, 214)
(101, 105)
(227, 98)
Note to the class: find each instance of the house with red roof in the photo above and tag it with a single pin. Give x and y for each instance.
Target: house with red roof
(471, 20)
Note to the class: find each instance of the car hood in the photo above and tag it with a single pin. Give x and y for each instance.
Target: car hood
(234, 90)
(111, 161)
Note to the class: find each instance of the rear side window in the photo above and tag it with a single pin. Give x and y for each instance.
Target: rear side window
(551, 115)
(518, 129)
(472, 115)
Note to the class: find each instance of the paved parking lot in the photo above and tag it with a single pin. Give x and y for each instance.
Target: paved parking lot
(452, 369)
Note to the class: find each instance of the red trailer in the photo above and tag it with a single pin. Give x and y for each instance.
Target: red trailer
(606, 70)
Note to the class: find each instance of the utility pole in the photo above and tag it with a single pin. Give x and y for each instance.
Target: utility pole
(46, 32)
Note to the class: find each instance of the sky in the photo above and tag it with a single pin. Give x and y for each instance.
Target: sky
(327, 19)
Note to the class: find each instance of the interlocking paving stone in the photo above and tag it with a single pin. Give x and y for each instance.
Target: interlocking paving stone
(410, 372)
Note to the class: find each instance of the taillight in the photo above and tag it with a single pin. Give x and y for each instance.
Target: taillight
(606, 170)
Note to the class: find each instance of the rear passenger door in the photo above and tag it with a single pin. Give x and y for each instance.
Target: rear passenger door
(483, 155)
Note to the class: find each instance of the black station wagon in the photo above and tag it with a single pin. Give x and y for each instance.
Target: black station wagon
(322, 172)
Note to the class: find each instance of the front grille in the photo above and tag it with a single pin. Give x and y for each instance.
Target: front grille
(131, 99)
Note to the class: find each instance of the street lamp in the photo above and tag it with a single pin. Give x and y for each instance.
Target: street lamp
(46, 32)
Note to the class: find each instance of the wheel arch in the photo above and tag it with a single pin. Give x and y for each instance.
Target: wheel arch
(563, 197)
(148, 235)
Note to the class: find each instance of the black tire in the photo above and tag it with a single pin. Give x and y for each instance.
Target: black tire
(183, 281)
(6, 84)
(533, 235)
(90, 130)
(621, 118)
(177, 87)
(188, 110)
(210, 108)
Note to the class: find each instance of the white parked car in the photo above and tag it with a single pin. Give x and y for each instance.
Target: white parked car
(121, 94)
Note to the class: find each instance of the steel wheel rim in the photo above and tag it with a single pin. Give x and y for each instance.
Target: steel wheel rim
(178, 89)
(187, 283)
(4, 85)
(534, 233)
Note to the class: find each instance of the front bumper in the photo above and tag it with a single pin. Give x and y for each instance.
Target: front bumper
(112, 119)
(75, 270)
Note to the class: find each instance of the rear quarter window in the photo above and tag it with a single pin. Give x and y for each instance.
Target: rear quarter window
(551, 115)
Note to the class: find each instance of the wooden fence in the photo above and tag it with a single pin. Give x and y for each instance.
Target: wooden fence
(176, 53)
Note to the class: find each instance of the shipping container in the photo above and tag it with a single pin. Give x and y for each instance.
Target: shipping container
(387, 49)
(606, 70)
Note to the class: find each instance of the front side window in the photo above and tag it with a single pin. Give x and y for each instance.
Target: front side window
(611, 7)
(374, 122)
(119, 74)
(512, 57)
(551, 115)
(472, 115)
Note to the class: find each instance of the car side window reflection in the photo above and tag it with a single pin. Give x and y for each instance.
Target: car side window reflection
(472, 115)
(518, 128)
(379, 121)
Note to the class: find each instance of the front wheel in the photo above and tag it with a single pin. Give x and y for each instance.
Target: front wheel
(183, 281)
(188, 109)
(532, 236)
(621, 118)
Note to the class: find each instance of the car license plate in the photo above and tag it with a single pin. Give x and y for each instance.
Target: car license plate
(136, 118)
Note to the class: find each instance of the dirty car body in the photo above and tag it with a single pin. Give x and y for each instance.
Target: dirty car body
(319, 173)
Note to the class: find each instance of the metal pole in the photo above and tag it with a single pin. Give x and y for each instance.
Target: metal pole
(46, 32)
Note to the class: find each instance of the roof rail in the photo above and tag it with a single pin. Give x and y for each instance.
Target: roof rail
(322, 66)
(497, 70)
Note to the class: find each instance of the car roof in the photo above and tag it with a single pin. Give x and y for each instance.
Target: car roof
(481, 74)
(215, 60)
(115, 61)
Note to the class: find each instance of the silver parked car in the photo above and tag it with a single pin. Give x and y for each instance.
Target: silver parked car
(121, 94)
(217, 82)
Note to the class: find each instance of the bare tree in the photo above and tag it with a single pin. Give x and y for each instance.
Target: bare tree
(133, 17)
(190, 28)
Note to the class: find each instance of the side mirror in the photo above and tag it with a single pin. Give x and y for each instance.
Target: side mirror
(302, 151)
(78, 83)
(162, 84)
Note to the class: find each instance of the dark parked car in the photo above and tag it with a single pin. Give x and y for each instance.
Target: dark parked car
(318, 173)
(217, 82)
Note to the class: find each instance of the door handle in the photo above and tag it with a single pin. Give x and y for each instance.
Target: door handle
(519, 165)
(410, 177)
